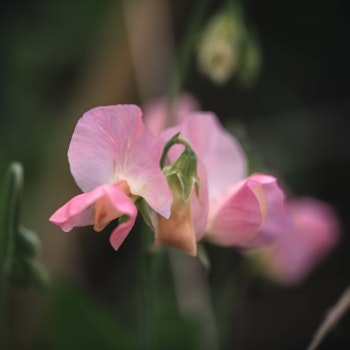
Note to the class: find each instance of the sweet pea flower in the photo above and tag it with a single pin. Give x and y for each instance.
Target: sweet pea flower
(243, 211)
(315, 232)
(114, 159)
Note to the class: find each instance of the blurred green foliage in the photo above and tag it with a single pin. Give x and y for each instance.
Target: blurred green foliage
(43, 45)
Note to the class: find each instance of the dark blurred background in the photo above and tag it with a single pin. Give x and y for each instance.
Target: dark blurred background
(59, 59)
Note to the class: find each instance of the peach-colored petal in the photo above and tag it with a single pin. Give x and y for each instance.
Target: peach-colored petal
(98, 208)
(111, 144)
(178, 231)
(187, 222)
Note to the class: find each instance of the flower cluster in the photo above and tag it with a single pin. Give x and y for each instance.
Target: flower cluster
(180, 168)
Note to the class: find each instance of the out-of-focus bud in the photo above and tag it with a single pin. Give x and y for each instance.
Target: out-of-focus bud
(28, 271)
(19, 246)
(228, 47)
(220, 46)
(27, 242)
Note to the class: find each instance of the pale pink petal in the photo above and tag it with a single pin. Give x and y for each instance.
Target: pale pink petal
(159, 114)
(111, 144)
(127, 207)
(81, 211)
(235, 216)
(220, 152)
(276, 218)
(315, 233)
(99, 145)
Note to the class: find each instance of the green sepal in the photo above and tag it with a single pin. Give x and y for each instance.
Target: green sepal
(185, 169)
(203, 257)
(145, 210)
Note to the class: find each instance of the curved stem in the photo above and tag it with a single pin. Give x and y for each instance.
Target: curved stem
(9, 222)
(175, 140)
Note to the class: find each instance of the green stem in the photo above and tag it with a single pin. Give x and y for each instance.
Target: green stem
(147, 290)
(187, 47)
(175, 140)
(9, 222)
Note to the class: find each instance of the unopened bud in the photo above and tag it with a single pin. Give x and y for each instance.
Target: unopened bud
(27, 271)
(27, 242)
(184, 168)
(220, 45)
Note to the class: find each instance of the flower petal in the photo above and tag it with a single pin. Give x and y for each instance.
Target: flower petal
(220, 152)
(235, 216)
(106, 202)
(315, 232)
(111, 144)
(178, 231)
(276, 219)
(160, 115)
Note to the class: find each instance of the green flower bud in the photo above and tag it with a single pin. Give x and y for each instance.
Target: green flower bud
(27, 242)
(27, 271)
(184, 168)
(19, 246)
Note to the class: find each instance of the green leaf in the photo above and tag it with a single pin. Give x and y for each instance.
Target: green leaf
(78, 321)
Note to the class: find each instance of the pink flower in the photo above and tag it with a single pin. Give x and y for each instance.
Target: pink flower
(245, 212)
(315, 232)
(114, 159)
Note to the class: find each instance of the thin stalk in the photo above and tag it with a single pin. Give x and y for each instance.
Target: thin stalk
(187, 47)
(193, 296)
(147, 283)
